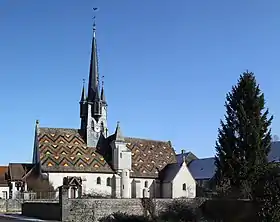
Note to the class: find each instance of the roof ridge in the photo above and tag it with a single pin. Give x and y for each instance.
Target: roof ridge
(206, 158)
(163, 141)
(58, 128)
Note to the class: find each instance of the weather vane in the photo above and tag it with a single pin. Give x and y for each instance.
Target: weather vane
(94, 17)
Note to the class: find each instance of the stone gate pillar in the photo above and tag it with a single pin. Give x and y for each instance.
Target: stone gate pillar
(63, 202)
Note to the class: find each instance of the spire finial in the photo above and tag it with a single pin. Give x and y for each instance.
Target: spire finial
(94, 19)
(84, 82)
(102, 80)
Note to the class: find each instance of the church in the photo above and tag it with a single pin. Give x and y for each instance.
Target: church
(92, 162)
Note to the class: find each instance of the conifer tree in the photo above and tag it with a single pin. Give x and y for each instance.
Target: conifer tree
(244, 137)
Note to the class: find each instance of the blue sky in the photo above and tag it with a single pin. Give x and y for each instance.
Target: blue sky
(167, 66)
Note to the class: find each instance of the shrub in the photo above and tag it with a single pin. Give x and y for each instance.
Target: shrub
(179, 211)
(123, 217)
(42, 187)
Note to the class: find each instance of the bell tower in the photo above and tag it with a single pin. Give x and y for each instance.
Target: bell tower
(93, 106)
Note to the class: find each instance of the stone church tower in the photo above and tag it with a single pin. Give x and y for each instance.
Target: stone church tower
(93, 106)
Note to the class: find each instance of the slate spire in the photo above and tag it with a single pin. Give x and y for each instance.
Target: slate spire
(83, 95)
(93, 84)
(118, 133)
(103, 98)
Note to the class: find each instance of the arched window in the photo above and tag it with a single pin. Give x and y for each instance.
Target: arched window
(108, 181)
(184, 186)
(146, 184)
(98, 181)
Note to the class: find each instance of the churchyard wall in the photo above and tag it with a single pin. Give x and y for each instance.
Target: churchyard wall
(10, 205)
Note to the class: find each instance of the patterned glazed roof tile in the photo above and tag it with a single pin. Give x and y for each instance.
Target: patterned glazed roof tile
(65, 150)
(149, 157)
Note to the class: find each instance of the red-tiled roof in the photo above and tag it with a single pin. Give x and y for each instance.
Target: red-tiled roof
(3, 175)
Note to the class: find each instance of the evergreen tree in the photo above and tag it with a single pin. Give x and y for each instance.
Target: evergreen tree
(244, 137)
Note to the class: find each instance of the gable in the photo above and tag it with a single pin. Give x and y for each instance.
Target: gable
(184, 175)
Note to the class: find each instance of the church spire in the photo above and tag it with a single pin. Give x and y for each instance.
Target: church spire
(93, 84)
(118, 133)
(83, 95)
(103, 99)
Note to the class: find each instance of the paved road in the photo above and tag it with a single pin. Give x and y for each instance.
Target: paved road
(15, 218)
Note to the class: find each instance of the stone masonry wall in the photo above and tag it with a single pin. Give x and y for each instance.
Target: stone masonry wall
(90, 210)
(10, 205)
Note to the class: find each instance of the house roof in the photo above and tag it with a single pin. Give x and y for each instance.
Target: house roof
(202, 168)
(66, 150)
(169, 172)
(18, 170)
(205, 168)
(3, 176)
(189, 156)
(274, 154)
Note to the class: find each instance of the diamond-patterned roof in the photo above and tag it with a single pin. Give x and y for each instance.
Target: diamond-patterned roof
(65, 150)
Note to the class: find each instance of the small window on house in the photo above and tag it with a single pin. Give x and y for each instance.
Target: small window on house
(108, 181)
(98, 181)
(146, 184)
(184, 186)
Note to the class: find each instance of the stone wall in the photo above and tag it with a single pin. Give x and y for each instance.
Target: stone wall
(45, 210)
(10, 205)
(90, 210)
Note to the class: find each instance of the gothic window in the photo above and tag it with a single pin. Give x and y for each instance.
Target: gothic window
(98, 181)
(108, 181)
(184, 186)
(146, 184)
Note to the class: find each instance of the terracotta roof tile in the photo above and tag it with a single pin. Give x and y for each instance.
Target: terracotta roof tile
(3, 175)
